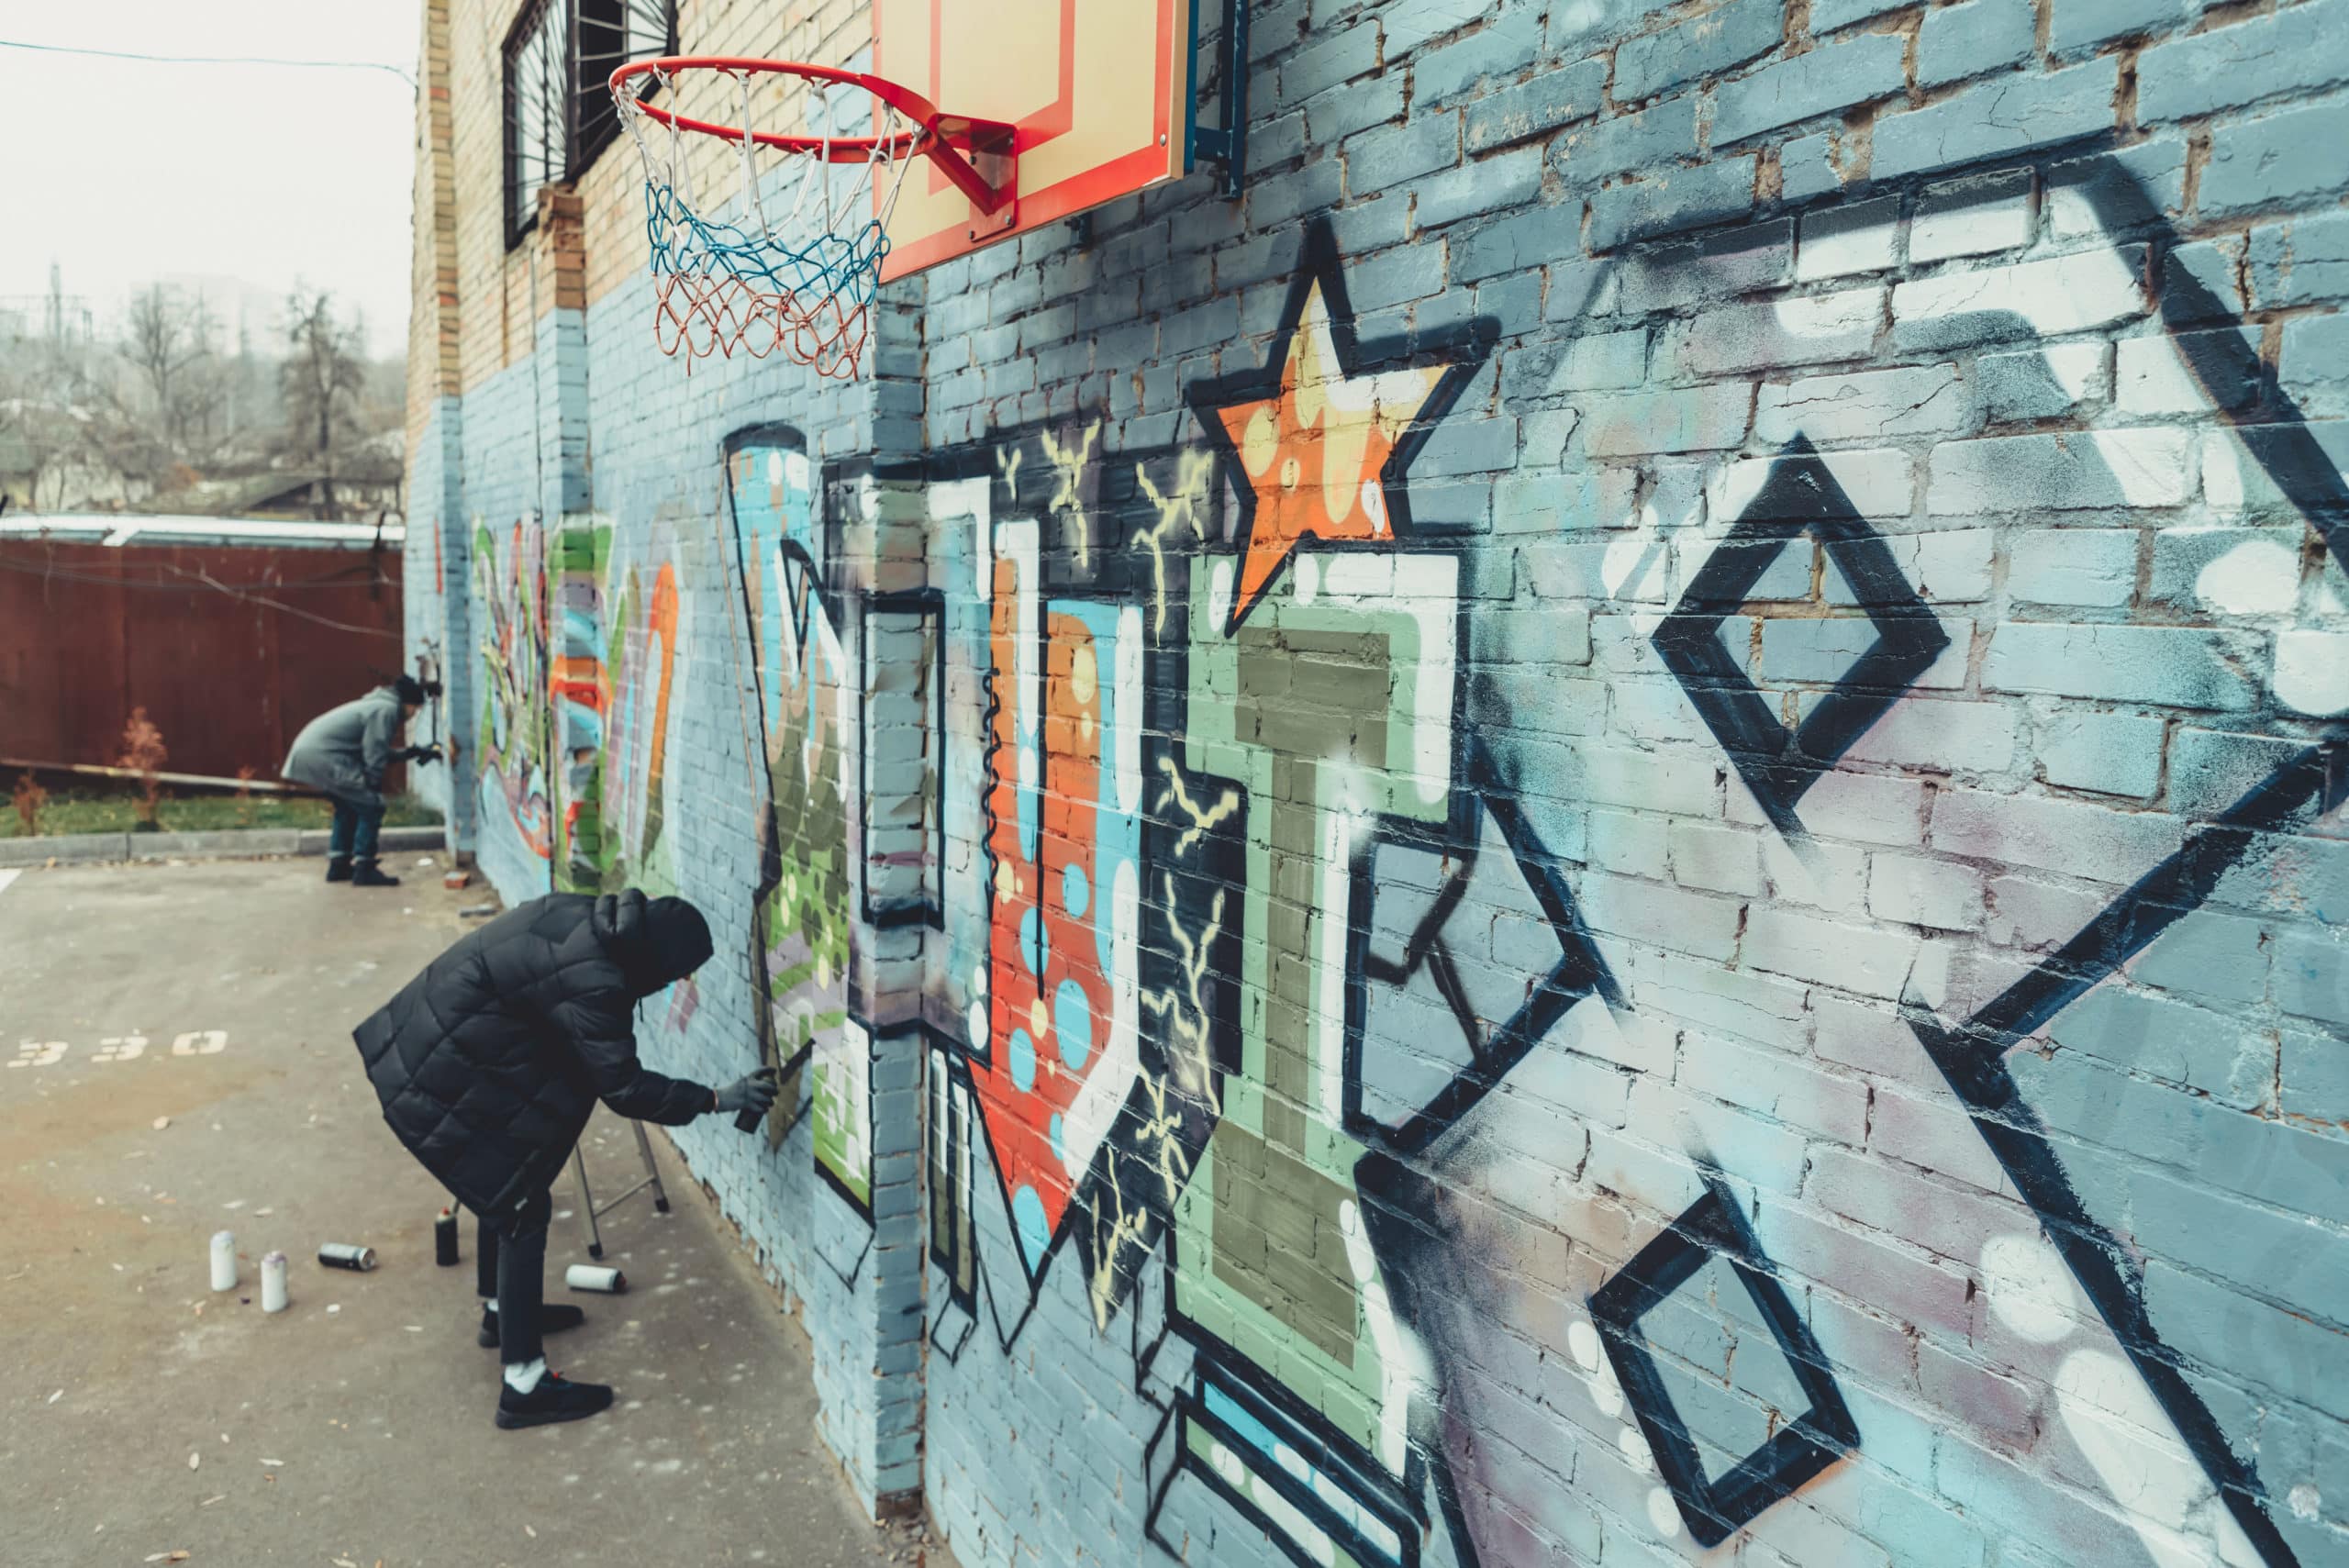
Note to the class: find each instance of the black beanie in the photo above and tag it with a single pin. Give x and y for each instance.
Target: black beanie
(411, 692)
(656, 941)
(677, 939)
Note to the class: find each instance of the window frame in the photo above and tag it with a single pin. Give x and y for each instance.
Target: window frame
(569, 117)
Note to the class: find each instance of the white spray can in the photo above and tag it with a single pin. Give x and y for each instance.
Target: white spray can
(224, 1259)
(604, 1282)
(273, 1282)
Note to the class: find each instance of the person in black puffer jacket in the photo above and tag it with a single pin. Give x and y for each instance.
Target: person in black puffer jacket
(488, 1065)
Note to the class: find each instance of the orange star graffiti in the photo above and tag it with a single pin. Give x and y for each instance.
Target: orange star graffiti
(1315, 455)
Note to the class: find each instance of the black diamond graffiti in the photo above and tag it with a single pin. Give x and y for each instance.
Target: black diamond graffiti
(1714, 1227)
(1779, 765)
(1468, 955)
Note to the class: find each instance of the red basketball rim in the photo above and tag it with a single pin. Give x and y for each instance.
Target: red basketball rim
(932, 127)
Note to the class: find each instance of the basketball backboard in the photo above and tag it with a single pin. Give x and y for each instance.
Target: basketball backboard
(1099, 92)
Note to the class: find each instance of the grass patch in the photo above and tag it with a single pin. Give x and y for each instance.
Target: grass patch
(73, 811)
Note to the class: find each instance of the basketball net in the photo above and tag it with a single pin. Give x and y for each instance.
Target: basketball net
(798, 277)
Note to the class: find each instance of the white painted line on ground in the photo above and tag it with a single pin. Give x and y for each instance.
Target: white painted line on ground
(6, 877)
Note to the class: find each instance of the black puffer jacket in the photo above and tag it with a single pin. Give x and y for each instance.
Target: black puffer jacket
(490, 1063)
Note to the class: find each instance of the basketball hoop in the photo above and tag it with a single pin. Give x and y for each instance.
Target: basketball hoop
(791, 271)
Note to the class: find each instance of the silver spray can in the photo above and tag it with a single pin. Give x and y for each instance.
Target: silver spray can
(343, 1255)
(273, 1282)
(224, 1259)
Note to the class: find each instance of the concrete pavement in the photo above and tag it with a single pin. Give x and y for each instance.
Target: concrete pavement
(141, 1414)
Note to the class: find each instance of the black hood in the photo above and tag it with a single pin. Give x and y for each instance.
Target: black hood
(656, 941)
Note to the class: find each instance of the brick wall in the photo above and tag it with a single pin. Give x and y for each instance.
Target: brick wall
(1608, 831)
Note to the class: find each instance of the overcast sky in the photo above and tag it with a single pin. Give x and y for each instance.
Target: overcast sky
(122, 170)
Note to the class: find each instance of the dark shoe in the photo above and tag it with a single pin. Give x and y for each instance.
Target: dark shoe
(553, 1400)
(554, 1318)
(338, 867)
(367, 874)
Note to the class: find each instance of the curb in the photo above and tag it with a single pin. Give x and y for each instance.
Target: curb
(226, 844)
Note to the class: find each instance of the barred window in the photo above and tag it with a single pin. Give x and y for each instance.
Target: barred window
(558, 115)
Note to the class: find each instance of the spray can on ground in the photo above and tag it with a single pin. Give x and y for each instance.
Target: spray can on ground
(444, 1238)
(343, 1255)
(224, 1259)
(273, 1282)
(603, 1281)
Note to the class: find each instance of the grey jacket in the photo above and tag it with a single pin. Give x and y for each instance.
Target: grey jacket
(345, 749)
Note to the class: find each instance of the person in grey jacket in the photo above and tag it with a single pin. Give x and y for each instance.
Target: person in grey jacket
(343, 753)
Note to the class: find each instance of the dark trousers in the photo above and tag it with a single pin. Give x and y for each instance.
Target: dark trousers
(356, 827)
(509, 1262)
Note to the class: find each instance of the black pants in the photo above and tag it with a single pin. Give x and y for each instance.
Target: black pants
(509, 1262)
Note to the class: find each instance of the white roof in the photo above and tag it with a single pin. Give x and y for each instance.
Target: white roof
(119, 529)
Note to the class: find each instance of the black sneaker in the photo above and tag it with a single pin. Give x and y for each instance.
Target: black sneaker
(555, 1399)
(367, 874)
(338, 867)
(554, 1318)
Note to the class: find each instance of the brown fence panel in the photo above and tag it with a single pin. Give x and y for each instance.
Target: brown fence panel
(230, 650)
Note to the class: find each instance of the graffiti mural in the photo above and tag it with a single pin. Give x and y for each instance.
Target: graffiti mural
(1338, 1188)
(642, 682)
(579, 672)
(515, 748)
(804, 730)
(1091, 1120)
(1679, 904)
(1062, 987)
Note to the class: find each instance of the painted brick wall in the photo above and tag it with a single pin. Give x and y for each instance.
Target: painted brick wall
(1608, 831)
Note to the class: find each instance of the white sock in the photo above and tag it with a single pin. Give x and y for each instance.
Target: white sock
(489, 1304)
(523, 1376)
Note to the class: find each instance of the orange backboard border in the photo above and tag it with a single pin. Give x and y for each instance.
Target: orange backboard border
(1135, 170)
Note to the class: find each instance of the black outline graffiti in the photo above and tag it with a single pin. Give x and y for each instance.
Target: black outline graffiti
(1794, 1454)
(930, 908)
(830, 1178)
(1112, 573)
(1969, 1054)
(1581, 971)
(1972, 1056)
(1462, 351)
(946, 1154)
(1799, 496)
(1306, 1430)
(779, 1122)
(2274, 433)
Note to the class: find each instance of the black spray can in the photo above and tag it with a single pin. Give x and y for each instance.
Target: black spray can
(343, 1255)
(444, 1238)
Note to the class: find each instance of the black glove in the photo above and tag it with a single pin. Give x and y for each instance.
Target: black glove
(753, 1096)
(422, 753)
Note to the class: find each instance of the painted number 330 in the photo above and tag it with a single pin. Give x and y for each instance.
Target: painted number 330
(121, 1048)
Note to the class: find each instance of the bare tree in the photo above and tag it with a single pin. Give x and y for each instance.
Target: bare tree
(321, 382)
(169, 338)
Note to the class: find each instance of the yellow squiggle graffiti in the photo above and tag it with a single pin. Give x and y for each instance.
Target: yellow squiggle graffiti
(1068, 467)
(1202, 822)
(1191, 1031)
(1193, 468)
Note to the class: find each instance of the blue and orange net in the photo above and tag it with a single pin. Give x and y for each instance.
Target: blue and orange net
(801, 284)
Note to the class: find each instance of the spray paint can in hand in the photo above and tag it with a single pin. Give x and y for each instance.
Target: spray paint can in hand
(341, 1255)
(444, 1238)
(224, 1259)
(273, 1282)
(747, 1119)
(603, 1281)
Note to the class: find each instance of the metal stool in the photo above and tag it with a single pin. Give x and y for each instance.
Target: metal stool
(595, 1211)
